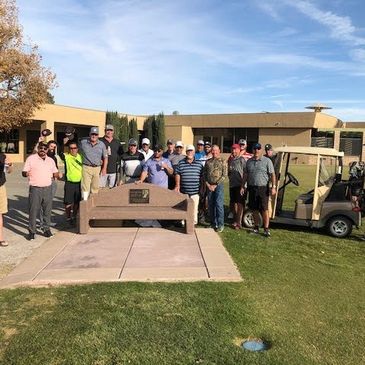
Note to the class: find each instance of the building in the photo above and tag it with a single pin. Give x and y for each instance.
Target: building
(312, 128)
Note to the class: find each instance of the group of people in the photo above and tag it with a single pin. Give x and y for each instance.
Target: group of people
(96, 163)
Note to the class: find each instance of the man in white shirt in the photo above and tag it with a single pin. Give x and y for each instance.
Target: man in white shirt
(145, 150)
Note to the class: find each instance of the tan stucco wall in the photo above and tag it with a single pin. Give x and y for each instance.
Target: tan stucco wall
(285, 137)
(50, 114)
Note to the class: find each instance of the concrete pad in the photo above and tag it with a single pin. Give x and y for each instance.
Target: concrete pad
(126, 254)
(165, 274)
(156, 248)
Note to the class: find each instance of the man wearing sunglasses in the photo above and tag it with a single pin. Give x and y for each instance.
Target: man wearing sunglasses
(40, 170)
(95, 161)
(261, 182)
(157, 169)
(73, 174)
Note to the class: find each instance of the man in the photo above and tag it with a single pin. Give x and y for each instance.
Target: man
(156, 169)
(170, 152)
(40, 170)
(115, 151)
(215, 172)
(269, 152)
(6, 167)
(258, 173)
(200, 153)
(131, 163)
(243, 147)
(236, 168)
(145, 150)
(94, 160)
(203, 202)
(188, 176)
(175, 159)
(52, 153)
(73, 175)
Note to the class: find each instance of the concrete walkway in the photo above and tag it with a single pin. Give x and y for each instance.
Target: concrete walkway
(125, 254)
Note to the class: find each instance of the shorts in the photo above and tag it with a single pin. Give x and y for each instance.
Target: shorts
(235, 195)
(258, 198)
(72, 193)
(3, 200)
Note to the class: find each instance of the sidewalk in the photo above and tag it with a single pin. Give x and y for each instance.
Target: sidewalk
(16, 221)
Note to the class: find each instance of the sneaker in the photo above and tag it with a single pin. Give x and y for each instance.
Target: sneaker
(31, 236)
(255, 231)
(267, 233)
(230, 215)
(220, 229)
(4, 244)
(48, 233)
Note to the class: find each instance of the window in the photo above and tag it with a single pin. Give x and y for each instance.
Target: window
(351, 143)
(322, 139)
(9, 142)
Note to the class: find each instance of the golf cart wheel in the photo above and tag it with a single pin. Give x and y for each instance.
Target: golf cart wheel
(339, 226)
(247, 219)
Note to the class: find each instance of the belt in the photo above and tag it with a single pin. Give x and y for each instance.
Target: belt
(85, 164)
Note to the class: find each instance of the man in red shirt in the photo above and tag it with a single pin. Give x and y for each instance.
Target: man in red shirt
(243, 148)
(40, 169)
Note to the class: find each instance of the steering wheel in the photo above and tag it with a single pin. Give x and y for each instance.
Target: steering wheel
(293, 179)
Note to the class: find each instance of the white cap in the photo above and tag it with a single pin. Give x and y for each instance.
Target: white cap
(179, 144)
(146, 141)
(201, 142)
(190, 147)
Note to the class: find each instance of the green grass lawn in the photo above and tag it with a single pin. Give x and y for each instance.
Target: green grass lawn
(303, 292)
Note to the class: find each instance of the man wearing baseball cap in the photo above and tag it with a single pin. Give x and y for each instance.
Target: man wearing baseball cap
(115, 151)
(269, 152)
(94, 161)
(200, 153)
(236, 169)
(170, 151)
(156, 169)
(131, 163)
(261, 182)
(243, 147)
(145, 150)
(188, 178)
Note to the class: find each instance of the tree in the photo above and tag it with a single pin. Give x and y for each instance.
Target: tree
(50, 98)
(24, 83)
(160, 129)
(133, 129)
(148, 128)
(124, 129)
(113, 119)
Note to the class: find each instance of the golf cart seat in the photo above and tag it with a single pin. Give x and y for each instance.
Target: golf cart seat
(303, 206)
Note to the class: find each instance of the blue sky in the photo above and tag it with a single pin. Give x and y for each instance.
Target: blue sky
(203, 56)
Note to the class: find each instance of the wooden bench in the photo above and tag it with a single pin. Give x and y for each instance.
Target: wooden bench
(132, 201)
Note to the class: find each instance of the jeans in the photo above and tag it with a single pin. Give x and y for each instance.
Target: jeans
(216, 207)
(40, 198)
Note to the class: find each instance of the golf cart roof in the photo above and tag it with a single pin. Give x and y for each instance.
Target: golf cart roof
(310, 151)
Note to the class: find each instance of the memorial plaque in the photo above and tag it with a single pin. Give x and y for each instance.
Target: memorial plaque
(139, 196)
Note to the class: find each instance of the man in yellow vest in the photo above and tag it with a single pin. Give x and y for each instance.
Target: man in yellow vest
(73, 175)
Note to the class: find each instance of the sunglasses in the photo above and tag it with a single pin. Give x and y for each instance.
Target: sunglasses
(43, 148)
(257, 148)
(94, 134)
(73, 148)
(157, 151)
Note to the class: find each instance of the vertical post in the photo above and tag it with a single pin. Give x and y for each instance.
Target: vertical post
(189, 222)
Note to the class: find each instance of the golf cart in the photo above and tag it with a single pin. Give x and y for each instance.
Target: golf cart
(328, 201)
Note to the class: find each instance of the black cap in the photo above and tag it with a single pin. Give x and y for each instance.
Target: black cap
(207, 143)
(268, 147)
(157, 147)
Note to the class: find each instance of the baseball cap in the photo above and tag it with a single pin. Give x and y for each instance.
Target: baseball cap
(170, 141)
(235, 145)
(256, 146)
(190, 147)
(242, 141)
(207, 143)
(157, 147)
(132, 142)
(94, 130)
(146, 141)
(179, 144)
(46, 132)
(201, 142)
(268, 147)
(109, 127)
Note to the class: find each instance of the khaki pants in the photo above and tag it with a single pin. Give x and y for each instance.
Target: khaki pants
(90, 179)
(196, 205)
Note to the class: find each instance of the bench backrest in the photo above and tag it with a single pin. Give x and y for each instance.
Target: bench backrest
(138, 195)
